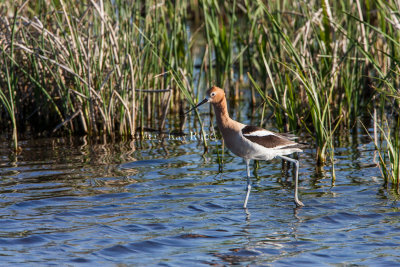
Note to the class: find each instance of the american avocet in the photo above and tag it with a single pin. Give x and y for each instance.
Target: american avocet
(250, 142)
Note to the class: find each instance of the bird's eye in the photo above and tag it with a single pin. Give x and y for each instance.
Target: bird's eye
(212, 94)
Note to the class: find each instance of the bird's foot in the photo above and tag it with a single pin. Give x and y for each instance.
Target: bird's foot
(298, 203)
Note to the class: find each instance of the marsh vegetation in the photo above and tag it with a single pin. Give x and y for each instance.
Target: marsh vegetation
(118, 68)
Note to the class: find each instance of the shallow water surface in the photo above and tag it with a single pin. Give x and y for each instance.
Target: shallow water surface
(65, 202)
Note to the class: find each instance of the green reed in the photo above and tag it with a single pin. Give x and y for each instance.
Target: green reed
(320, 68)
(8, 98)
(219, 38)
(89, 69)
(114, 68)
(386, 83)
(387, 144)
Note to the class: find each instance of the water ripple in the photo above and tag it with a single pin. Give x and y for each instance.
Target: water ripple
(111, 205)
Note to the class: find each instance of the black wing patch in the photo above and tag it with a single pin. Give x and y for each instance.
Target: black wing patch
(250, 129)
(268, 141)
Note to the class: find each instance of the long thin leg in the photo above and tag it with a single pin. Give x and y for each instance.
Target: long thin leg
(248, 183)
(296, 182)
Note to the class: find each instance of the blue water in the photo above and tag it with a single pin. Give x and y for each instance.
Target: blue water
(67, 202)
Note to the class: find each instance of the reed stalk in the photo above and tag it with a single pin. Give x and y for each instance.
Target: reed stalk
(388, 149)
(8, 100)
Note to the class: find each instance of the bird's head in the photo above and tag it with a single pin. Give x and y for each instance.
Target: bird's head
(213, 95)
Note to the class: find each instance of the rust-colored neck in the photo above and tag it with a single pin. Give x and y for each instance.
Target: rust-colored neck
(221, 112)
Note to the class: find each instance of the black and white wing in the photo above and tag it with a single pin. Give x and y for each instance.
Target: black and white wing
(267, 138)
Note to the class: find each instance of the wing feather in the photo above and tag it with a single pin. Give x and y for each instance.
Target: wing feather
(266, 138)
